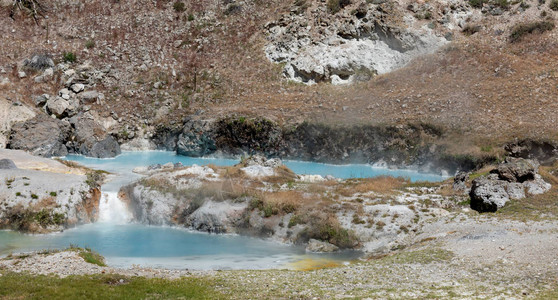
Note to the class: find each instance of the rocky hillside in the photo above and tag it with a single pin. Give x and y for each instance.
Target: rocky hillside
(111, 74)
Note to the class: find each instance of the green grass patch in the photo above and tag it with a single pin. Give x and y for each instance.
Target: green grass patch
(89, 256)
(424, 257)
(110, 286)
(552, 293)
(477, 175)
(69, 57)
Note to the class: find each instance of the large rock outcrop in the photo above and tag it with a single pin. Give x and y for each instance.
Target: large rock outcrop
(91, 139)
(42, 136)
(364, 38)
(11, 113)
(401, 145)
(513, 179)
(195, 139)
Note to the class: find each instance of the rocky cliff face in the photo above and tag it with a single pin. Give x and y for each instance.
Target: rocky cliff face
(402, 145)
(348, 43)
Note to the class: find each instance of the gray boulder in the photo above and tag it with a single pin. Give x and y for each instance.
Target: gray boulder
(42, 136)
(517, 170)
(57, 106)
(77, 87)
(320, 246)
(89, 97)
(513, 179)
(39, 62)
(7, 164)
(91, 139)
(108, 147)
(459, 181)
(488, 194)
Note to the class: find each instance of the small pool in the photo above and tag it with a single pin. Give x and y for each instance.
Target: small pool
(124, 245)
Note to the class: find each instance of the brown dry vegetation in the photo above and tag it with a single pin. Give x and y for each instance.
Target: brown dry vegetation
(381, 185)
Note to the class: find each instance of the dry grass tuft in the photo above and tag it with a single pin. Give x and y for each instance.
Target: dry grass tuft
(381, 185)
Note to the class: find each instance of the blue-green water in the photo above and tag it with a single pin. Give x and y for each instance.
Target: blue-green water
(166, 247)
(129, 160)
(127, 244)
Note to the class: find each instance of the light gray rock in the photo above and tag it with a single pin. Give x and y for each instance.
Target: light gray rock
(89, 97)
(488, 194)
(217, 217)
(21, 74)
(258, 160)
(515, 190)
(344, 48)
(64, 93)
(459, 181)
(77, 87)
(7, 164)
(57, 106)
(513, 179)
(320, 247)
(537, 186)
(41, 99)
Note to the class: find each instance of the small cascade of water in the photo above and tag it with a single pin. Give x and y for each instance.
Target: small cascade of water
(112, 210)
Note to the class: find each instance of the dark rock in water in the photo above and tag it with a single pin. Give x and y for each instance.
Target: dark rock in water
(166, 137)
(512, 179)
(517, 170)
(91, 139)
(240, 135)
(108, 147)
(42, 136)
(7, 164)
(178, 165)
(195, 139)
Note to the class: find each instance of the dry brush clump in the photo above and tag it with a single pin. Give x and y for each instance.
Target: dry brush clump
(33, 8)
(521, 30)
(380, 184)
